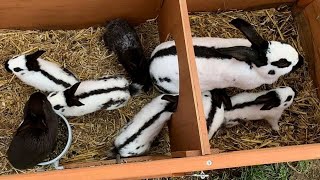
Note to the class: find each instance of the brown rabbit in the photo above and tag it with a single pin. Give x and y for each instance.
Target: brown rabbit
(36, 137)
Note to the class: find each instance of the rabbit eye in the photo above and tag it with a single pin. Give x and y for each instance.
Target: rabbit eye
(282, 63)
(17, 69)
(288, 98)
(53, 94)
(272, 72)
(57, 107)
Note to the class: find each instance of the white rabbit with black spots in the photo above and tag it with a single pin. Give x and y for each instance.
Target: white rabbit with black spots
(39, 73)
(268, 105)
(110, 92)
(136, 137)
(222, 63)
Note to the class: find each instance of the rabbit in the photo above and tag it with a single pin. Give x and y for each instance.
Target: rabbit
(136, 137)
(222, 63)
(36, 137)
(109, 92)
(268, 105)
(41, 74)
(122, 38)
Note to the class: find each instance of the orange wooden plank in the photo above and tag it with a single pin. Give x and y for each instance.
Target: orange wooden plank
(223, 5)
(188, 130)
(309, 29)
(161, 168)
(113, 161)
(70, 14)
(303, 3)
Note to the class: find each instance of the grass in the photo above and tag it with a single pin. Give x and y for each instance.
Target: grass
(281, 171)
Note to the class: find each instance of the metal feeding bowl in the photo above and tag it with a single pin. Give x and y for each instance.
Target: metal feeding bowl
(56, 160)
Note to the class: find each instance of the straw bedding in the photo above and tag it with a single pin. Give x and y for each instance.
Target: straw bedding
(83, 52)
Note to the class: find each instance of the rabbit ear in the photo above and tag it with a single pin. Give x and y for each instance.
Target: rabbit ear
(172, 106)
(243, 53)
(250, 33)
(269, 100)
(170, 98)
(220, 96)
(269, 105)
(35, 55)
(32, 63)
(71, 99)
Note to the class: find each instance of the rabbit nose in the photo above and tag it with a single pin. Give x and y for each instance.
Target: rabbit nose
(6, 66)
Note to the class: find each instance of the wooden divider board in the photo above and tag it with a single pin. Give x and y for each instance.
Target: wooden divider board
(71, 14)
(188, 131)
(308, 22)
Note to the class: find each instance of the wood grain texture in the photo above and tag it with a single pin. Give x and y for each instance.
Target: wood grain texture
(308, 23)
(188, 130)
(223, 5)
(168, 167)
(72, 14)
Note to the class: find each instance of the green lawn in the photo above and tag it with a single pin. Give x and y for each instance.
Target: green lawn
(296, 171)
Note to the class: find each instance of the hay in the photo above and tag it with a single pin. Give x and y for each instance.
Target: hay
(83, 52)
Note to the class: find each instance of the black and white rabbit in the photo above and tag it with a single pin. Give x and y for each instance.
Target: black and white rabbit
(122, 38)
(39, 73)
(222, 63)
(268, 105)
(36, 137)
(110, 92)
(136, 137)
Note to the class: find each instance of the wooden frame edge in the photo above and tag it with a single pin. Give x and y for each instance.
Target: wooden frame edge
(308, 23)
(169, 167)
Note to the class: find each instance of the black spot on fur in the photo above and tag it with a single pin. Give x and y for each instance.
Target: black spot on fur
(33, 65)
(288, 98)
(112, 102)
(211, 115)
(17, 69)
(282, 63)
(206, 95)
(166, 79)
(285, 104)
(268, 100)
(272, 72)
(200, 52)
(100, 91)
(6, 66)
(57, 107)
(57, 81)
(62, 110)
(110, 77)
